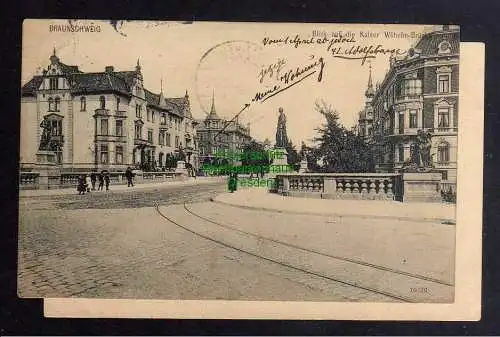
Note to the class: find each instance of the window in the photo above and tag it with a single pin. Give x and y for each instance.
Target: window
(138, 131)
(102, 101)
(104, 127)
(401, 122)
(150, 136)
(119, 127)
(138, 111)
(161, 138)
(83, 103)
(401, 152)
(444, 175)
(163, 119)
(51, 104)
(119, 155)
(53, 83)
(152, 116)
(413, 119)
(104, 154)
(443, 83)
(176, 141)
(57, 104)
(443, 152)
(186, 127)
(412, 87)
(443, 118)
(148, 115)
(118, 104)
(167, 139)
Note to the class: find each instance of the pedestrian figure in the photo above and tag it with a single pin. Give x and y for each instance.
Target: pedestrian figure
(93, 179)
(129, 175)
(232, 182)
(101, 182)
(106, 179)
(88, 183)
(81, 185)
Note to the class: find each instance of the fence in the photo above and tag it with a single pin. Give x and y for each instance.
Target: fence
(31, 180)
(370, 186)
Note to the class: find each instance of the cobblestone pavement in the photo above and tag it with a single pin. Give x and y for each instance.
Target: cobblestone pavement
(115, 245)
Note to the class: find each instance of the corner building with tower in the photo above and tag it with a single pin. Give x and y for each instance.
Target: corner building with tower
(420, 91)
(103, 120)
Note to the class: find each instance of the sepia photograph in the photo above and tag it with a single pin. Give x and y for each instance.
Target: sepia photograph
(239, 161)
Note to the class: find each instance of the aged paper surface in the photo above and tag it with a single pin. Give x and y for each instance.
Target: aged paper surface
(239, 170)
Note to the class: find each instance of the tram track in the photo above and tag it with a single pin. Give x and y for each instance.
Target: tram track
(337, 257)
(278, 261)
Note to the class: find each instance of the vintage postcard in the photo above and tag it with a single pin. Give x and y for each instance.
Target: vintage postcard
(250, 170)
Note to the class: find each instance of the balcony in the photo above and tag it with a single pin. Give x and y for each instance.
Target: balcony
(111, 138)
(143, 142)
(164, 126)
(57, 138)
(121, 114)
(101, 113)
(441, 130)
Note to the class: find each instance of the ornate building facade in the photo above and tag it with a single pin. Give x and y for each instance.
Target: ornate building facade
(419, 92)
(216, 134)
(103, 120)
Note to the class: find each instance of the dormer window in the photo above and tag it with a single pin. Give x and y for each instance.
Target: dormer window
(53, 83)
(444, 47)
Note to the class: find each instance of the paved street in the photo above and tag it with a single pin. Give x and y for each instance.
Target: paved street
(118, 245)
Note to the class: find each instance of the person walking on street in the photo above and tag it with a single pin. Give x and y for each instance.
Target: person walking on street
(93, 179)
(106, 180)
(129, 175)
(81, 185)
(101, 182)
(88, 183)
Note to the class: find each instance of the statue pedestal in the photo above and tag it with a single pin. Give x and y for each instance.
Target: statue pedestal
(279, 156)
(49, 171)
(303, 166)
(181, 169)
(422, 186)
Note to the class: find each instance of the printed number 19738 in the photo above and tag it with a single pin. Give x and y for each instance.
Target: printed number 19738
(419, 290)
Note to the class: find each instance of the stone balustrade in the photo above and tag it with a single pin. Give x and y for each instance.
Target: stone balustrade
(30, 180)
(370, 186)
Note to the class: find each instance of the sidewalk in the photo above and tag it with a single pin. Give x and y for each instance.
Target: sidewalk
(261, 199)
(123, 187)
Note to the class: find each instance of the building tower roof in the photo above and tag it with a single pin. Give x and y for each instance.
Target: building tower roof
(369, 90)
(213, 113)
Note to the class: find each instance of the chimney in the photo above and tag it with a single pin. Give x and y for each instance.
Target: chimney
(109, 69)
(446, 28)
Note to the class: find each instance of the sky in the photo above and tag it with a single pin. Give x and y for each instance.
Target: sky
(224, 60)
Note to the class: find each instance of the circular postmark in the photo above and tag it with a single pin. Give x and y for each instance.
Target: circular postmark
(227, 72)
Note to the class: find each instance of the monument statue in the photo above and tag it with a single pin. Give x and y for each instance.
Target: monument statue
(182, 154)
(281, 137)
(46, 136)
(303, 150)
(420, 153)
(424, 148)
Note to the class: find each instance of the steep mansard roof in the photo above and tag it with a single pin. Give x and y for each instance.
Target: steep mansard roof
(429, 43)
(115, 81)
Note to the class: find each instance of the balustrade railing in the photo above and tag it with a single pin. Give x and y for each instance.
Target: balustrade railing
(28, 180)
(342, 185)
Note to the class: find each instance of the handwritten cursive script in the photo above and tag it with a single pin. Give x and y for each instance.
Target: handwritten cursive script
(272, 70)
(291, 77)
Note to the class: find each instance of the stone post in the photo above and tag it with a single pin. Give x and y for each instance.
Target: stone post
(422, 186)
